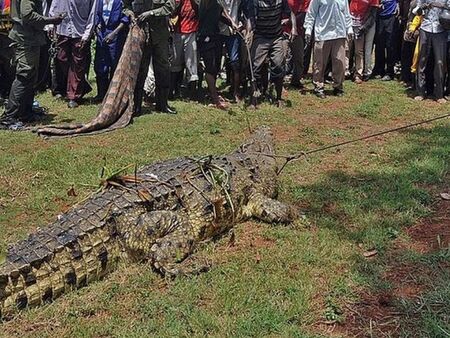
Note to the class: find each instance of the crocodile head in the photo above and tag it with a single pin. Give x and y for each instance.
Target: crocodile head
(260, 148)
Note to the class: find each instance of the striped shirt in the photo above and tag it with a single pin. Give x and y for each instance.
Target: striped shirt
(268, 20)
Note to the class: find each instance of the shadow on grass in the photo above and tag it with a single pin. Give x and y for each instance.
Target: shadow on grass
(373, 208)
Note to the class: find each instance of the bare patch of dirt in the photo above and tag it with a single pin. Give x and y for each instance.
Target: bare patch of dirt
(376, 314)
(432, 234)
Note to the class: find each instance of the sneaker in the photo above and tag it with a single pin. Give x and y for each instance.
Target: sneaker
(366, 78)
(386, 78)
(319, 92)
(419, 98)
(72, 104)
(358, 80)
(441, 100)
(338, 92)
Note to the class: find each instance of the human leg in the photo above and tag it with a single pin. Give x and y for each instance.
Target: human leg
(338, 64)
(21, 96)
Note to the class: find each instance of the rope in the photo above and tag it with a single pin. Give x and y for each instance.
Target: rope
(290, 158)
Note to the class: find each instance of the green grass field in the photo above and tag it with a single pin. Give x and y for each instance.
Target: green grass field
(305, 280)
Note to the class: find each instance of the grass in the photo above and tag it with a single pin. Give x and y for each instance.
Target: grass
(276, 281)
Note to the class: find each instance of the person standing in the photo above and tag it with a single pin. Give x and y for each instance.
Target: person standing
(432, 41)
(297, 45)
(153, 16)
(363, 14)
(265, 21)
(233, 44)
(28, 36)
(73, 58)
(387, 25)
(184, 48)
(210, 46)
(110, 28)
(332, 25)
(6, 52)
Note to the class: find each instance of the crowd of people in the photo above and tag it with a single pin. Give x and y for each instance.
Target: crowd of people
(259, 44)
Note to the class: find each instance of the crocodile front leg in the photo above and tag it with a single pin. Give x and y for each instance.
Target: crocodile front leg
(165, 238)
(269, 210)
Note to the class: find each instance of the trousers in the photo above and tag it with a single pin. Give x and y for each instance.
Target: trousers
(72, 63)
(323, 51)
(21, 96)
(435, 43)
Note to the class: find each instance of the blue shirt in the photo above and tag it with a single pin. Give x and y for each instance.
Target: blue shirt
(388, 7)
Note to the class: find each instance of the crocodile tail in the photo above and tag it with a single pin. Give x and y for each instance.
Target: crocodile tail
(54, 261)
(118, 105)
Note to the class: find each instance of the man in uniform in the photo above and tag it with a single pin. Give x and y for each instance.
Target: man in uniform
(6, 52)
(153, 16)
(28, 36)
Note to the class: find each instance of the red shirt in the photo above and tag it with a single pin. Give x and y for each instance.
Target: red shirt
(187, 17)
(359, 9)
(304, 6)
(297, 7)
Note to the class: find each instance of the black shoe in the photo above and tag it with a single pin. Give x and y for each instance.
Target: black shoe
(366, 78)
(338, 92)
(320, 93)
(167, 110)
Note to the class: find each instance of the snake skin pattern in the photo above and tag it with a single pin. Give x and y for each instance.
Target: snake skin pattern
(118, 105)
(158, 217)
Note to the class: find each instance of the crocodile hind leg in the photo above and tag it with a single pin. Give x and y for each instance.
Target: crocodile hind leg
(269, 210)
(165, 238)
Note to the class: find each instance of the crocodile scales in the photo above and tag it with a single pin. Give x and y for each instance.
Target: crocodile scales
(158, 218)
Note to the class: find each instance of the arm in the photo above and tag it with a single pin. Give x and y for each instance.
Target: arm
(419, 8)
(370, 20)
(294, 31)
(348, 20)
(90, 22)
(128, 9)
(111, 36)
(311, 15)
(165, 10)
(31, 16)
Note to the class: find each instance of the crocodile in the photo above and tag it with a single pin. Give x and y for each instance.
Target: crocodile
(157, 216)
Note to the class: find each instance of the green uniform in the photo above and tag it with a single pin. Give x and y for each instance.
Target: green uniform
(156, 49)
(6, 52)
(28, 36)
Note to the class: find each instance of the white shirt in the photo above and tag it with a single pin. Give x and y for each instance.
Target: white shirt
(330, 19)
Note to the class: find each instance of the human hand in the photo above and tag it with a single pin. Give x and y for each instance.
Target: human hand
(84, 43)
(56, 20)
(110, 38)
(144, 17)
(307, 39)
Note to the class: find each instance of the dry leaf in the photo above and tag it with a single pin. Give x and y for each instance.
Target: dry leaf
(71, 192)
(144, 195)
(258, 258)
(370, 253)
(445, 196)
